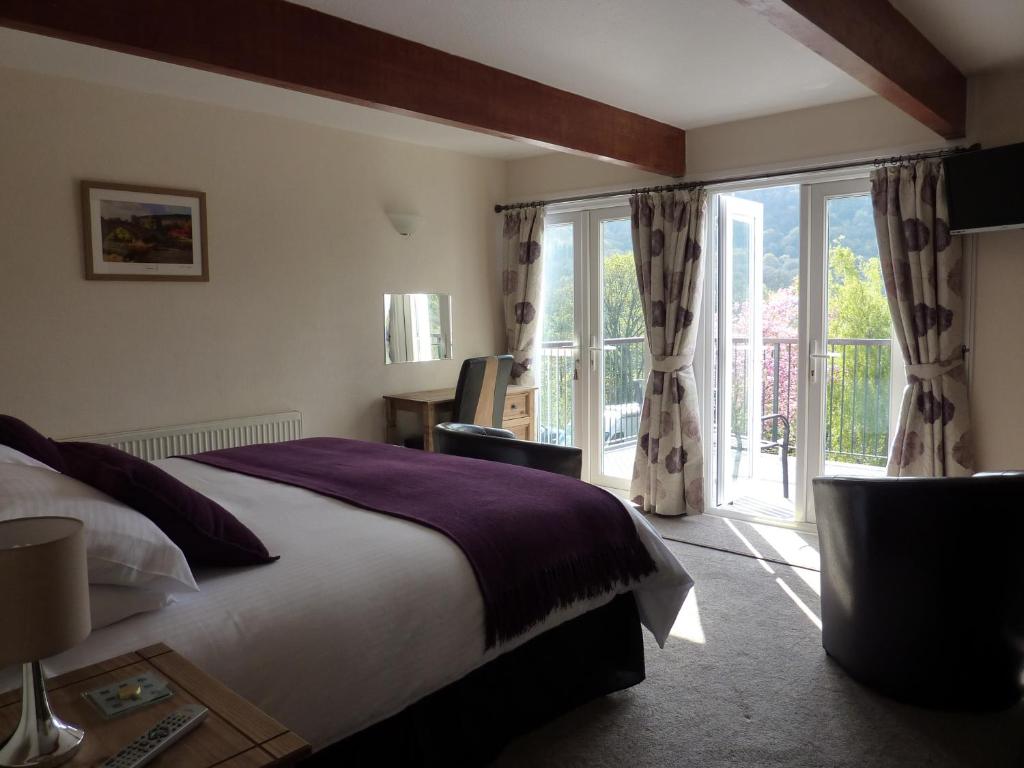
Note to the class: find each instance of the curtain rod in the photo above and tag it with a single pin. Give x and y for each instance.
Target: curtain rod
(879, 161)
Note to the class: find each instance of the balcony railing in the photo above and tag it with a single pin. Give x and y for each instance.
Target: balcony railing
(857, 393)
(624, 378)
(557, 394)
(857, 401)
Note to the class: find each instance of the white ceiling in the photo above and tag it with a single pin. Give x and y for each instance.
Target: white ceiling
(689, 63)
(684, 62)
(976, 35)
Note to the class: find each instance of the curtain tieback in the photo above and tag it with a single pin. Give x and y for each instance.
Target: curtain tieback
(928, 371)
(670, 363)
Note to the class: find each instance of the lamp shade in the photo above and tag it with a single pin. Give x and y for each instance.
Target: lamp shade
(44, 588)
(405, 224)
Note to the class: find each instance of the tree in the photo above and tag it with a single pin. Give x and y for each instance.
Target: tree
(857, 308)
(857, 380)
(857, 394)
(623, 319)
(558, 318)
(623, 312)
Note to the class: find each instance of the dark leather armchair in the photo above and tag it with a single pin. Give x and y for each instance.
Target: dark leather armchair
(922, 586)
(494, 444)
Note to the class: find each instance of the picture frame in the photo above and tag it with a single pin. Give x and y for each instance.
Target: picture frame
(136, 232)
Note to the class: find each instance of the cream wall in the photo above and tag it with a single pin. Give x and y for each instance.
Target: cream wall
(300, 255)
(851, 128)
(544, 176)
(803, 136)
(996, 116)
(858, 129)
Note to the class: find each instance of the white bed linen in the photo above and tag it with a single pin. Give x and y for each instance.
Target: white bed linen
(363, 614)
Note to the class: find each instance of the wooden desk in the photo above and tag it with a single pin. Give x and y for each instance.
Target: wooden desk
(235, 734)
(434, 406)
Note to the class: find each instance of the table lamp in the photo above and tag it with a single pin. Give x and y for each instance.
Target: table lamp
(44, 606)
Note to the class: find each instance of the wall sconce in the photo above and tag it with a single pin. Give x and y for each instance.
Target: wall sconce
(405, 224)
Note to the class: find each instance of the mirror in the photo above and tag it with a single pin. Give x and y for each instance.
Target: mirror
(417, 327)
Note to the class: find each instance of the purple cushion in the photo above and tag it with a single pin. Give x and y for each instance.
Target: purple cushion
(18, 435)
(206, 532)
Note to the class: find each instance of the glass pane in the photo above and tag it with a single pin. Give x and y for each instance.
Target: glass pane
(757, 357)
(740, 321)
(558, 329)
(623, 372)
(859, 342)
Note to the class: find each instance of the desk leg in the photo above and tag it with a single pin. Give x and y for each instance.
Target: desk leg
(390, 422)
(429, 420)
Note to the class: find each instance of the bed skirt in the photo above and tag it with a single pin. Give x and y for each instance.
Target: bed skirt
(468, 722)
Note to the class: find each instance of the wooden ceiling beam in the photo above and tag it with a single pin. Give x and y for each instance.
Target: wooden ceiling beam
(873, 42)
(287, 45)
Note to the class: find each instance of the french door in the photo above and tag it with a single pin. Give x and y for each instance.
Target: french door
(802, 370)
(594, 361)
(855, 376)
(741, 249)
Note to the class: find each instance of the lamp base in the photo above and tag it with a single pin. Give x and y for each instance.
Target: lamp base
(41, 740)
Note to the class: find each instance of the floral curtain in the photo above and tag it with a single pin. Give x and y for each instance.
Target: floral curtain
(923, 272)
(522, 243)
(668, 233)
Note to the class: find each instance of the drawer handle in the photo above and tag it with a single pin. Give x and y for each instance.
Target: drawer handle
(513, 406)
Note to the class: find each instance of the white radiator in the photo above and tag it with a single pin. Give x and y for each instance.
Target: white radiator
(162, 442)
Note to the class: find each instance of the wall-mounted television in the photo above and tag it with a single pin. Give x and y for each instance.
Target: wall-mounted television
(986, 189)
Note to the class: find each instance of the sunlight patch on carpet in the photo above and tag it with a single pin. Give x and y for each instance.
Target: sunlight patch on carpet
(687, 625)
(748, 545)
(799, 603)
(789, 545)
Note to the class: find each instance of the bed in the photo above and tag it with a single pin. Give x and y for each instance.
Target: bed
(368, 620)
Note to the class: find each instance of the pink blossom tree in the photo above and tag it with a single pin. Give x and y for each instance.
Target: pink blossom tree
(780, 313)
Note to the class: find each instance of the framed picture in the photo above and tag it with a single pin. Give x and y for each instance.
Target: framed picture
(144, 233)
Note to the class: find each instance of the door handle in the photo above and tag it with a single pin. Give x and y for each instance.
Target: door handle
(813, 368)
(814, 355)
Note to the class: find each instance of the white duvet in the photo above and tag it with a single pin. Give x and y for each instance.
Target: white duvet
(363, 614)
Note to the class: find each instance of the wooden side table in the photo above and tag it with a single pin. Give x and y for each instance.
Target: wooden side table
(235, 734)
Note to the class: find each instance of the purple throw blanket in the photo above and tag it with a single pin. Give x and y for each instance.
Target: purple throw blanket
(536, 541)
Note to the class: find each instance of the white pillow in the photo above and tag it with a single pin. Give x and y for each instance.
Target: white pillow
(109, 605)
(123, 547)
(10, 456)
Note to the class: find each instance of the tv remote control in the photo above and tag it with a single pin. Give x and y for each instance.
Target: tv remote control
(159, 737)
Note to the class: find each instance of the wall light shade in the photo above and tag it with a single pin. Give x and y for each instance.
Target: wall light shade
(405, 224)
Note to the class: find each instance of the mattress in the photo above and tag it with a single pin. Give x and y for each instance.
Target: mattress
(363, 614)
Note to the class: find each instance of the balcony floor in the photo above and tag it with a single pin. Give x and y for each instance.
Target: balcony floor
(618, 460)
(760, 495)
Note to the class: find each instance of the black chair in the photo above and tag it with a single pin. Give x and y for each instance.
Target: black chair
(922, 586)
(493, 444)
(480, 393)
(782, 444)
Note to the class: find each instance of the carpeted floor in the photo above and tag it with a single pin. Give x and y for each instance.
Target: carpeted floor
(748, 684)
(771, 542)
